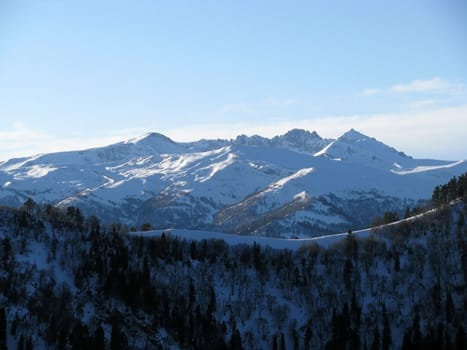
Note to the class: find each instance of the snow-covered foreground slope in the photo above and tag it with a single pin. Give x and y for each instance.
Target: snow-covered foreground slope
(324, 241)
(253, 185)
(272, 242)
(69, 286)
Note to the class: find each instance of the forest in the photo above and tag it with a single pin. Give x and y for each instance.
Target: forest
(69, 282)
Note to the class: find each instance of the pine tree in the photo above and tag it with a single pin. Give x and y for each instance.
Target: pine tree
(416, 332)
(452, 189)
(282, 342)
(3, 330)
(449, 308)
(440, 336)
(62, 340)
(99, 339)
(407, 213)
(274, 343)
(29, 345)
(436, 297)
(236, 340)
(386, 338)
(77, 336)
(308, 335)
(114, 338)
(347, 273)
(355, 311)
(375, 343)
(212, 301)
(436, 196)
(21, 343)
(7, 253)
(397, 262)
(295, 339)
(461, 343)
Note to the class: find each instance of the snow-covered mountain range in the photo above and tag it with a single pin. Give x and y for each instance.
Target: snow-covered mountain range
(296, 184)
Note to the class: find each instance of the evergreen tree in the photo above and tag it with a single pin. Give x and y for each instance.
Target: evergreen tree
(21, 343)
(452, 189)
(397, 263)
(436, 196)
(274, 343)
(98, 342)
(282, 342)
(416, 332)
(375, 343)
(355, 311)
(79, 336)
(407, 213)
(212, 301)
(449, 308)
(386, 338)
(436, 297)
(3, 330)
(118, 339)
(7, 257)
(62, 340)
(347, 273)
(29, 345)
(440, 336)
(461, 343)
(236, 340)
(308, 336)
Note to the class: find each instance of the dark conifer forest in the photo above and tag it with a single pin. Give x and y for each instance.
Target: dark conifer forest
(69, 282)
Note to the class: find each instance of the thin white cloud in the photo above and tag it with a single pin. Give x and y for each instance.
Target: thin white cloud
(20, 140)
(420, 133)
(19, 133)
(429, 86)
(435, 84)
(371, 92)
(422, 103)
(275, 101)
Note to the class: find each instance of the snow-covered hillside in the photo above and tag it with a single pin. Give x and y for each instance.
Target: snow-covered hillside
(68, 282)
(297, 181)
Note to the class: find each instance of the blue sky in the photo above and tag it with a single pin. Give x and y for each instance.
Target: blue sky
(76, 74)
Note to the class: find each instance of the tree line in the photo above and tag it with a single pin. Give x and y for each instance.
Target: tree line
(69, 282)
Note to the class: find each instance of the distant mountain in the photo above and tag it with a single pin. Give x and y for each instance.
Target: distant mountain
(296, 184)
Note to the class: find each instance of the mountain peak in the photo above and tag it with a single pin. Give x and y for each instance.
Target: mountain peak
(300, 133)
(150, 138)
(353, 146)
(354, 135)
(300, 140)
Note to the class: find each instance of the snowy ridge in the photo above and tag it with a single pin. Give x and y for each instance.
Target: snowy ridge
(297, 179)
(233, 239)
(324, 241)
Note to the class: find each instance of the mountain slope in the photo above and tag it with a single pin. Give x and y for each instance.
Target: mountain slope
(67, 283)
(294, 184)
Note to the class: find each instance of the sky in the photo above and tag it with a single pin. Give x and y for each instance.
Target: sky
(80, 74)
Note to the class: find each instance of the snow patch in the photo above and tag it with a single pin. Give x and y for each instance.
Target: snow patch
(274, 243)
(302, 195)
(420, 169)
(37, 171)
(216, 167)
(324, 150)
(302, 172)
